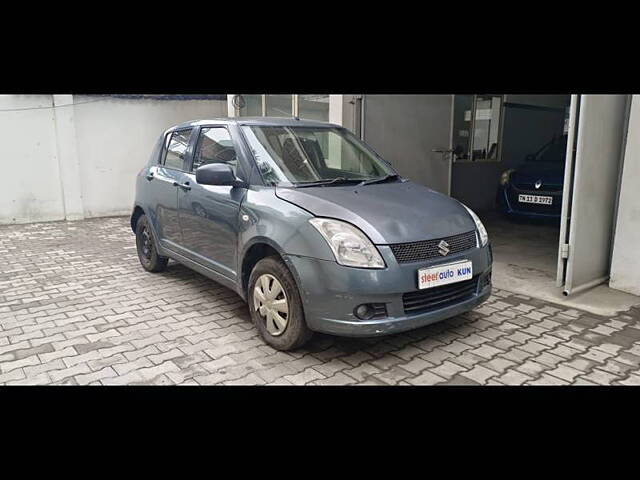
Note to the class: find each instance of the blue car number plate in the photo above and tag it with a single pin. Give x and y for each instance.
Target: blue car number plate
(544, 200)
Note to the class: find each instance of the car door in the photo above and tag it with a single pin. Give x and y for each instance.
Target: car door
(163, 180)
(209, 214)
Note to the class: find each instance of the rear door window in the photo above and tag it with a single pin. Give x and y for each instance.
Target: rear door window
(176, 150)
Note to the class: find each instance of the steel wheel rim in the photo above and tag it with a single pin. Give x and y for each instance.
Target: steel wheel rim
(271, 304)
(147, 244)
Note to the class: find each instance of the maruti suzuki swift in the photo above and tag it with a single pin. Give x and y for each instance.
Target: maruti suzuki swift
(310, 226)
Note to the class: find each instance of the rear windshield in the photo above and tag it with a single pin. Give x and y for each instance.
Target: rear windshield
(555, 152)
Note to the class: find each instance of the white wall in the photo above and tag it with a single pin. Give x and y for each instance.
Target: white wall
(115, 138)
(97, 144)
(31, 185)
(625, 265)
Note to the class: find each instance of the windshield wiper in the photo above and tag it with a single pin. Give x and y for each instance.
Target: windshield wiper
(333, 181)
(393, 176)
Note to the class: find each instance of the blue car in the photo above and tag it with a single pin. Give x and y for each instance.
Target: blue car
(534, 190)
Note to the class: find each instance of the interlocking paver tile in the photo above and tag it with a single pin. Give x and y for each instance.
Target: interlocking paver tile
(601, 377)
(58, 375)
(546, 379)
(416, 365)
(332, 367)
(597, 355)
(460, 380)
(468, 359)
(338, 379)
(306, 376)
(487, 351)
(393, 376)
(362, 372)
(514, 377)
(633, 379)
(549, 359)
(426, 378)
(565, 372)
(498, 364)
(76, 311)
(479, 374)
(447, 369)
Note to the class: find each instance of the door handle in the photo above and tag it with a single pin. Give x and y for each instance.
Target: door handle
(149, 176)
(185, 186)
(446, 154)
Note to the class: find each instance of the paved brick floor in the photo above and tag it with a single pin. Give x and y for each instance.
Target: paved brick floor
(77, 308)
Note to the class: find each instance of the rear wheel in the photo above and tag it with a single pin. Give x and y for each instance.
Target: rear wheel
(145, 244)
(275, 305)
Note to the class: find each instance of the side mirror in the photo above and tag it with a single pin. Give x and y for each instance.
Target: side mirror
(218, 174)
(530, 157)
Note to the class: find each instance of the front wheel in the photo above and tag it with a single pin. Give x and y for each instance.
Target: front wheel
(275, 305)
(145, 244)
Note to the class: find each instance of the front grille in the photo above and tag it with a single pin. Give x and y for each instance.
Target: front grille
(427, 249)
(543, 188)
(439, 297)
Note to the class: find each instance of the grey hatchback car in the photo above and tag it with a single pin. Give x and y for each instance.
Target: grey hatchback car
(310, 226)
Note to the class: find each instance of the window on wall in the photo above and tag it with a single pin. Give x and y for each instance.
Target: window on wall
(313, 107)
(214, 146)
(279, 105)
(486, 127)
(308, 107)
(251, 106)
(477, 127)
(177, 149)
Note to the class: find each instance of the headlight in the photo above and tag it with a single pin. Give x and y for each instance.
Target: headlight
(350, 246)
(484, 237)
(504, 178)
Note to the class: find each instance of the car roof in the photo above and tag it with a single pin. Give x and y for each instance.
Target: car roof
(257, 121)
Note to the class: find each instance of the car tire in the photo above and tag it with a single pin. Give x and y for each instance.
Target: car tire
(146, 246)
(266, 305)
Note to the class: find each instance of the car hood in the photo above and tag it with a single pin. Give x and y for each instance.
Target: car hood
(388, 213)
(549, 173)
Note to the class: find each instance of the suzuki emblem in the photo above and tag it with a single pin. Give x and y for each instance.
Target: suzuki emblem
(538, 184)
(443, 248)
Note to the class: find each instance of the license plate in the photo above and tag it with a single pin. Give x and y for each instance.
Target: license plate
(445, 274)
(535, 199)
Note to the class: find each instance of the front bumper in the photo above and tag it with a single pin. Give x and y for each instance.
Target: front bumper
(330, 292)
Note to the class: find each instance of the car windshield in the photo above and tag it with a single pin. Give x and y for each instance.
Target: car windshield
(313, 155)
(554, 152)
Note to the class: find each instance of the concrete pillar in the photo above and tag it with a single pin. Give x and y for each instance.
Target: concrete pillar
(335, 109)
(67, 153)
(625, 264)
(231, 109)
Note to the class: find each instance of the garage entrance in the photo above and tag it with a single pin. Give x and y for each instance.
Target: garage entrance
(540, 170)
(508, 151)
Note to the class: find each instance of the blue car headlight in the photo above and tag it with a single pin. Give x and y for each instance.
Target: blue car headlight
(506, 175)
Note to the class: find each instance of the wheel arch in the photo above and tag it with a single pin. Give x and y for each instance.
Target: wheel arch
(135, 216)
(258, 249)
